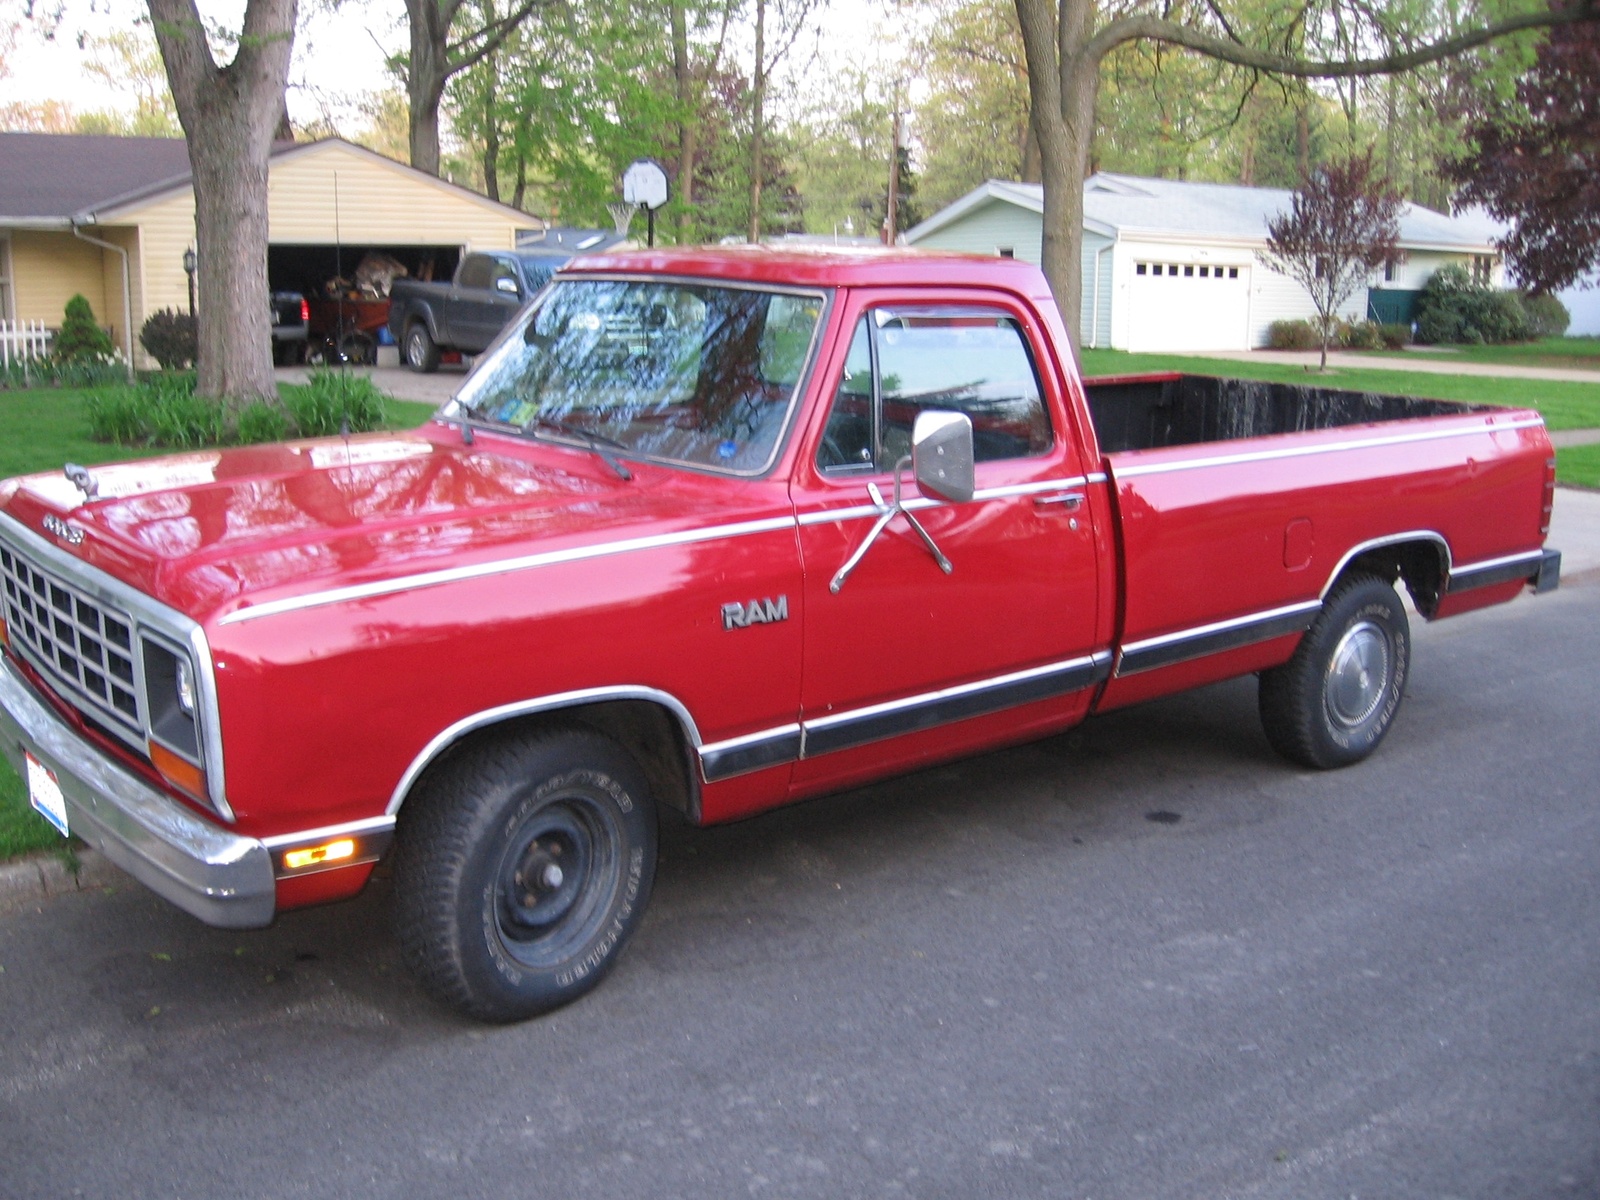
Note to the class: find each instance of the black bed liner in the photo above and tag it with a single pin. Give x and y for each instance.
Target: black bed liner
(1148, 412)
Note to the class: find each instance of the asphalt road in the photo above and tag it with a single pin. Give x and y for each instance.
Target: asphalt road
(996, 979)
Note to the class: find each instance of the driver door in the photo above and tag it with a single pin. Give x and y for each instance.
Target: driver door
(904, 664)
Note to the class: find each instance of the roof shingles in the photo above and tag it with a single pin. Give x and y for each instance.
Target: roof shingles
(57, 176)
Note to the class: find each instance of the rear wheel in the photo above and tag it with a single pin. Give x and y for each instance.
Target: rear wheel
(522, 867)
(1333, 702)
(422, 354)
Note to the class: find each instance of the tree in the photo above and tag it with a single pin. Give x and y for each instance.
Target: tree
(1065, 47)
(1537, 163)
(229, 115)
(1343, 223)
(435, 56)
(772, 47)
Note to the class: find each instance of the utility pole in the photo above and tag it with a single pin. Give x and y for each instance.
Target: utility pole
(891, 219)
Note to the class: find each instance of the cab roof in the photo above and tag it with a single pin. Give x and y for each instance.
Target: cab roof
(820, 266)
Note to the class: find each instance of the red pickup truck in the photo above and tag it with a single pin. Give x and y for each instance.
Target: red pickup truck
(715, 530)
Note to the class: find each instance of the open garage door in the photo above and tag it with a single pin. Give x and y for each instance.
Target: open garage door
(346, 289)
(1188, 306)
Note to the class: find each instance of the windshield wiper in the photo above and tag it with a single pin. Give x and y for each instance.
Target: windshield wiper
(595, 442)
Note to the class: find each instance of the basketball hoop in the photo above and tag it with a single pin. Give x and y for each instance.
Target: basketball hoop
(622, 217)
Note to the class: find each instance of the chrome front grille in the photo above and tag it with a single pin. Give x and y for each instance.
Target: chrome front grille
(81, 644)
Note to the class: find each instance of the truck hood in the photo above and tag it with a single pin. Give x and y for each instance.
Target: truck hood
(209, 532)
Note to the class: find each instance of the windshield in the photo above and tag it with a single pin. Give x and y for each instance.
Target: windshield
(680, 372)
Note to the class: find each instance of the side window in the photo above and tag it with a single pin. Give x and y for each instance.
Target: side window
(848, 440)
(970, 360)
(475, 271)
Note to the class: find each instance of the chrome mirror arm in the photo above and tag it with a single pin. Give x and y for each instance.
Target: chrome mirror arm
(882, 523)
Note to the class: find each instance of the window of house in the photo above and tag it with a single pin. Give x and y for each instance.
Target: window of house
(1388, 272)
(1140, 268)
(1482, 268)
(1233, 272)
(1006, 252)
(906, 361)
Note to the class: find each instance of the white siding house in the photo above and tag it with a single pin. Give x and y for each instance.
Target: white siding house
(1172, 266)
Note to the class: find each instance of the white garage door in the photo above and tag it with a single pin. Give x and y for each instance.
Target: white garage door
(1188, 306)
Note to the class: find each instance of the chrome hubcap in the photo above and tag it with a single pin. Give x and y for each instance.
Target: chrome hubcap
(1358, 676)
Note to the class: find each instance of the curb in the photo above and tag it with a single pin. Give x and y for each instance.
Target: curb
(43, 874)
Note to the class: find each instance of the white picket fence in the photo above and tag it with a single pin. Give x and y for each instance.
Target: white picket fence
(22, 342)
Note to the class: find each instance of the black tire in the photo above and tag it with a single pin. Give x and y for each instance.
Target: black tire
(1333, 702)
(522, 866)
(422, 355)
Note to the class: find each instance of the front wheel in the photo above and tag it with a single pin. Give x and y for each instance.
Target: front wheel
(1333, 702)
(522, 867)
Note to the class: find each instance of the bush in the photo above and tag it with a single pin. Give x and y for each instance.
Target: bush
(1394, 335)
(1454, 309)
(1293, 335)
(262, 423)
(160, 411)
(91, 371)
(117, 415)
(170, 337)
(80, 337)
(1360, 335)
(1547, 316)
(332, 398)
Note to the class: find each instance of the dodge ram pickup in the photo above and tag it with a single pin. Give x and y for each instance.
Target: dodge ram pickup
(715, 530)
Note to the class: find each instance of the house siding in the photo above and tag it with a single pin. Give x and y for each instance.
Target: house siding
(990, 228)
(1095, 324)
(49, 268)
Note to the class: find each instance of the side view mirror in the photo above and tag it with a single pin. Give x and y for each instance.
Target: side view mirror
(507, 285)
(942, 455)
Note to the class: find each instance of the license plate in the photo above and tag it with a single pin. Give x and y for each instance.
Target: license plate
(44, 793)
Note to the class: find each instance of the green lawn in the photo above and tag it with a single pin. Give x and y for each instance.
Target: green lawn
(1564, 405)
(39, 431)
(1579, 465)
(1574, 353)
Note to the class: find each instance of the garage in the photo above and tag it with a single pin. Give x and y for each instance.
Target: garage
(1174, 305)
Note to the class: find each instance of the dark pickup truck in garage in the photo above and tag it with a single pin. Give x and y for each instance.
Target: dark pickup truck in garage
(467, 313)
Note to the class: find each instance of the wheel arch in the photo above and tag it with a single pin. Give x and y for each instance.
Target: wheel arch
(651, 725)
(1421, 557)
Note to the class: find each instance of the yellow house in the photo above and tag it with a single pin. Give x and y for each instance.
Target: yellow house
(111, 218)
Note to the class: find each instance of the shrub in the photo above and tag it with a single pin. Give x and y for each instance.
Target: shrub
(1293, 335)
(1394, 335)
(160, 411)
(79, 336)
(262, 422)
(1547, 316)
(1452, 308)
(170, 337)
(331, 398)
(117, 415)
(1360, 335)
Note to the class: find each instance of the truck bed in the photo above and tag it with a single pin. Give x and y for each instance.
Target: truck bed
(1150, 412)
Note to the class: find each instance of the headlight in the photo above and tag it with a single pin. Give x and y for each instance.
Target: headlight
(184, 687)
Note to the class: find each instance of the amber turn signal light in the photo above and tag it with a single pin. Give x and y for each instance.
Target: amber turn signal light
(313, 856)
(179, 772)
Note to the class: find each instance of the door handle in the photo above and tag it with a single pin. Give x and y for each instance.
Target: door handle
(1065, 501)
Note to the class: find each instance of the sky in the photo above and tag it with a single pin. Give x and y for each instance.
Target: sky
(339, 51)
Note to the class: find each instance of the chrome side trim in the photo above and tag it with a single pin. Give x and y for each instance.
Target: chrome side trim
(526, 562)
(1495, 570)
(858, 512)
(372, 837)
(157, 617)
(491, 716)
(741, 755)
(1392, 539)
(1134, 470)
(1151, 653)
(857, 727)
(218, 876)
(312, 836)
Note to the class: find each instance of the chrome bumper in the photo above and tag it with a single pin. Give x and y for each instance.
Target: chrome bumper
(220, 877)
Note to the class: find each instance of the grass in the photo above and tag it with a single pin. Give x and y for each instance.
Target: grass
(40, 429)
(1579, 465)
(1564, 405)
(1568, 353)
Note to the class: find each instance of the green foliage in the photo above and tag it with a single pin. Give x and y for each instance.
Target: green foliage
(1453, 308)
(1360, 335)
(262, 423)
(330, 400)
(161, 410)
(1394, 335)
(1547, 316)
(1579, 465)
(90, 371)
(80, 338)
(171, 338)
(22, 830)
(118, 416)
(1293, 335)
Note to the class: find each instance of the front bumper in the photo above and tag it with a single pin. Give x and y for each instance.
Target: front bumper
(222, 878)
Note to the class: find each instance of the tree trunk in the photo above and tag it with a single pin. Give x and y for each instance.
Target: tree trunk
(757, 118)
(491, 136)
(425, 78)
(229, 116)
(688, 121)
